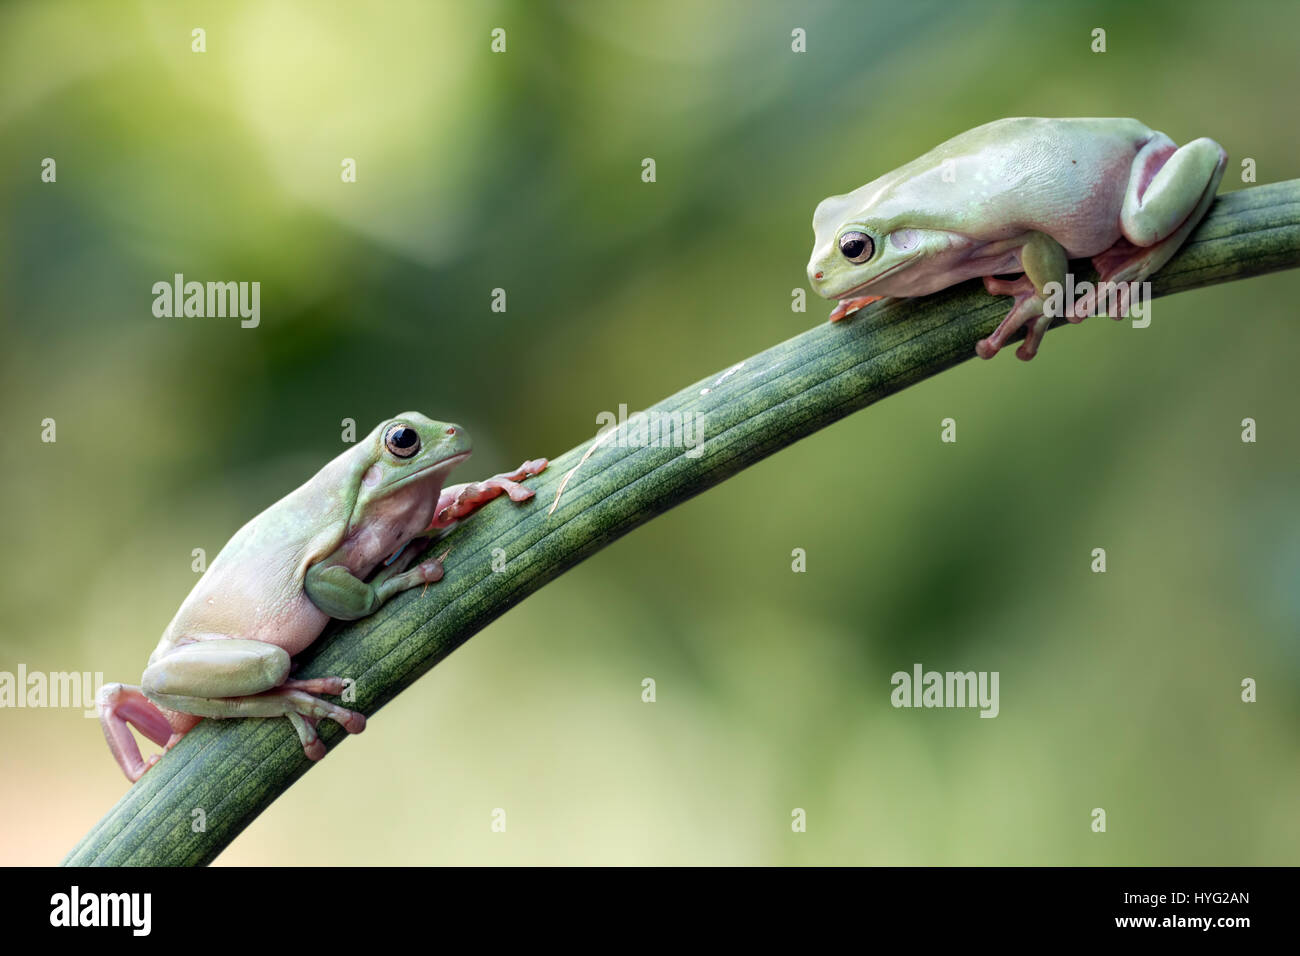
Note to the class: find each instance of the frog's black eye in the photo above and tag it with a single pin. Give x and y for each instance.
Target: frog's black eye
(857, 246)
(402, 440)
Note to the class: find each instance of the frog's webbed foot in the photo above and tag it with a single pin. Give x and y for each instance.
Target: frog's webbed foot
(306, 722)
(1028, 309)
(460, 501)
(305, 711)
(312, 709)
(317, 685)
(847, 307)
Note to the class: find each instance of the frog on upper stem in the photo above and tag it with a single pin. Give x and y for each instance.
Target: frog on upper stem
(1020, 195)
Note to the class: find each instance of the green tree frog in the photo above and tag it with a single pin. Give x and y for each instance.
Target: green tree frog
(337, 547)
(1016, 196)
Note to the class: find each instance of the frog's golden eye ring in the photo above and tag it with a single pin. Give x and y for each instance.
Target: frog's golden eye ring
(856, 246)
(402, 440)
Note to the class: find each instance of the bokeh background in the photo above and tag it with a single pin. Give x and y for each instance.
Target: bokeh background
(522, 170)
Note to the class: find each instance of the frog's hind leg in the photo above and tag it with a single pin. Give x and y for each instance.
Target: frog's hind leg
(1170, 189)
(120, 705)
(231, 677)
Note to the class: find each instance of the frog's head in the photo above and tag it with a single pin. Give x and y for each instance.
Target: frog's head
(853, 250)
(409, 449)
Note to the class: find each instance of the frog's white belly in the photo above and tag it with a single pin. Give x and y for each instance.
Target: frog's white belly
(249, 601)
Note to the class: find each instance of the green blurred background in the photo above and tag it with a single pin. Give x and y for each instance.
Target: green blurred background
(522, 170)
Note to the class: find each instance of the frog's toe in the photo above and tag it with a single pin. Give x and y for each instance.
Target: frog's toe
(305, 724)
(847, 307)
(312, 745)
(299, 704)
(431, 572)
(1037, 329)
(1025, 309)
(349, 720)
(528, 469)
(318, 685)
(518, 492)
(1028, 308)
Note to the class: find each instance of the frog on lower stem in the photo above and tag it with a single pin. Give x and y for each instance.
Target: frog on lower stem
(337, 547)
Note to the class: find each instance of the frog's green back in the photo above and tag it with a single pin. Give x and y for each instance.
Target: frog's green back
(261, 567)
(1002, 176)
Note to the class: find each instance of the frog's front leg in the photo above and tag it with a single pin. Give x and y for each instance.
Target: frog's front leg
(459, 501)
(1169, 191)
(1044, 261)
(341, 594)
(230, 677)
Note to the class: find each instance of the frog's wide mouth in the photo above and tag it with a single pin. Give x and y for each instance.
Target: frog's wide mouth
(443, 464)
(446, 464)
(849, 293)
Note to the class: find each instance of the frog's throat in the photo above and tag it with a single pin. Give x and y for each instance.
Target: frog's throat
(444, 466)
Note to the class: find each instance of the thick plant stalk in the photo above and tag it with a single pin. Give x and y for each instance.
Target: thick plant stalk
(233, 769)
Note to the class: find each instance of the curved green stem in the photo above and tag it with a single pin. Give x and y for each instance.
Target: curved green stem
(233, 769)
